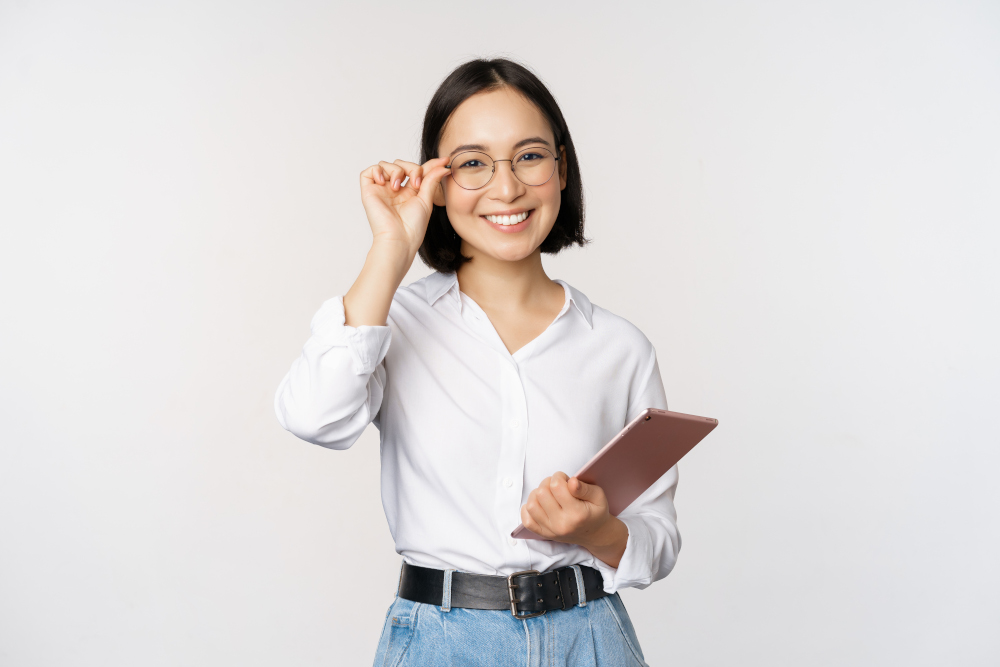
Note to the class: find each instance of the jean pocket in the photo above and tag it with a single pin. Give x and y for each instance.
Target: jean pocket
(617, 608)
(397, 632)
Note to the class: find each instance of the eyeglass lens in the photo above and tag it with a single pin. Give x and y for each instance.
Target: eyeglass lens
(532, 166)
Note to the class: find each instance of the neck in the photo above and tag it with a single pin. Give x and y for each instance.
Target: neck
(502, 285)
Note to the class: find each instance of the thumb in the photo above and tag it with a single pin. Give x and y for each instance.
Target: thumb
(434, 171)
(581, 490)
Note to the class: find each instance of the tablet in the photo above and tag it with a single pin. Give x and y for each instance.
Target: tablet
(638, 456)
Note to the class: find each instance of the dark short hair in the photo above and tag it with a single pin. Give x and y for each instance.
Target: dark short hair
(441, 248)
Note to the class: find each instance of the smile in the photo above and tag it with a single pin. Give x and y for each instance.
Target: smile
(508, 219)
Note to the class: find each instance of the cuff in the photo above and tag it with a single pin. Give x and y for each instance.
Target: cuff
(366, 344)
(634, 569)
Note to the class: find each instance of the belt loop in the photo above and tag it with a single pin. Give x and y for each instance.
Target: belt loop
(446, 594)
(580, 588)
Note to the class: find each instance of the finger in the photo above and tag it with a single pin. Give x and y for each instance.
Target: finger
(561, 491)
(370, 174)
(413, 172)
(433, 164)
(535, 509)
(584, 491)
(436, 162)
(548, 502)
(395, 173)
(431, 180)
(532, 524)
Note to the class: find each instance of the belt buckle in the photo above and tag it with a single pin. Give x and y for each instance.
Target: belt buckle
(513, 600)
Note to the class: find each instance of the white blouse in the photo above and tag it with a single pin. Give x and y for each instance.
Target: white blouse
(468, 429)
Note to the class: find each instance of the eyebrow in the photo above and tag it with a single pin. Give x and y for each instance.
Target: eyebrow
(481, 148)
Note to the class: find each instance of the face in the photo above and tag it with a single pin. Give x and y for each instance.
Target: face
(500, 123)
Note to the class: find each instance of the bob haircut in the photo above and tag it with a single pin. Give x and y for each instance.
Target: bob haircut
(441, 248)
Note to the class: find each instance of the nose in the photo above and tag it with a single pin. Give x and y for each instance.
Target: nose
(506, 186)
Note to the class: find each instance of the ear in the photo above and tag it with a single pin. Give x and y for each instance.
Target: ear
(439, 193)
(563, 167)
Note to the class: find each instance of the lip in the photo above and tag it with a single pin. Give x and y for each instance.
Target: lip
(510, 229)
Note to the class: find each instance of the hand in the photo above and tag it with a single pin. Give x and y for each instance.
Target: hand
(398, 213)
(565, 509)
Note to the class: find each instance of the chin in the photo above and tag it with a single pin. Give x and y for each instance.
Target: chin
(512, 256)
(501, 246)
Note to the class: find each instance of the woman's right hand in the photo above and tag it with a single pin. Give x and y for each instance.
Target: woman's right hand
(398, 213)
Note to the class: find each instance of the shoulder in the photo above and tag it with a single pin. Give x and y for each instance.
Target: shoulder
(634, 350)
(425, 288)
(420, 296)
(621, 329)
(633, 356)
(609, 326)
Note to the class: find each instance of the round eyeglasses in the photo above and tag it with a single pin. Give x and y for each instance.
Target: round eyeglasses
(472, 170)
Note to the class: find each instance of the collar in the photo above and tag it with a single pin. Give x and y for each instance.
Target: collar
(438, 284)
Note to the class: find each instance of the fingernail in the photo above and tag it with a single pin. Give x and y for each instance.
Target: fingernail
(416, 182)
(395, 184)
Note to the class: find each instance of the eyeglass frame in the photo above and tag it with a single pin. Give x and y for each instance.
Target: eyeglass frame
(493, 171)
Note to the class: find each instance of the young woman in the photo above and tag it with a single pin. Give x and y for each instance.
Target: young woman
(487, 380)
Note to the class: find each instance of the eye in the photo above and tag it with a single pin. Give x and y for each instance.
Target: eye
(530, 157)
(472, 164)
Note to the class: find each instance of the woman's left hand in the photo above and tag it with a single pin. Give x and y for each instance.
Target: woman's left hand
(564, 509)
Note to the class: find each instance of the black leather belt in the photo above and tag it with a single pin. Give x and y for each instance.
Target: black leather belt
(527, 594)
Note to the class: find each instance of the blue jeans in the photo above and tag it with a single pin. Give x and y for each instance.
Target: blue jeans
(598, 634)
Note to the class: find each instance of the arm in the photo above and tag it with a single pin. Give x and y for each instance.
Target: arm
(334, 389)
(565, 509)
(636, 548)
(398, 217)
(653, 539)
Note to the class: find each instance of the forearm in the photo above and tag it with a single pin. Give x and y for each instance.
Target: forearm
(368, 300)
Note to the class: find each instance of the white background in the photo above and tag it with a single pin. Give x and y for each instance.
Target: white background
(798, 203)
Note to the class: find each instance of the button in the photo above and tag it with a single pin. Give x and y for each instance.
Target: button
(508, 482)
(513, 541)
(514, 423)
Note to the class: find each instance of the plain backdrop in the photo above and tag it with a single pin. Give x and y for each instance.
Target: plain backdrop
(797, 203)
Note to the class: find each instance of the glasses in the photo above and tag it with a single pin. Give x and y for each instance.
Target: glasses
(472, 170)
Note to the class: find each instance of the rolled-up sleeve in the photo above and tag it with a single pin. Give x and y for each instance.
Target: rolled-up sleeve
(653, 538)
(334, 388)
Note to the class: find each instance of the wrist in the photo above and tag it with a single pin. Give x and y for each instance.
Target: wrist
(609, 541)
(608, 533)
(392, 253)
(370, 297)
(390, 257)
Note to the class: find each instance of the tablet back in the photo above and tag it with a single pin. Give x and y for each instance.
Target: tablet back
(640, 454)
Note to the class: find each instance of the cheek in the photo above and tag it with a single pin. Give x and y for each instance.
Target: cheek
(460, 203)
(551, 194)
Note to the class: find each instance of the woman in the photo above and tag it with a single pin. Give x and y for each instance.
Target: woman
(487, 380)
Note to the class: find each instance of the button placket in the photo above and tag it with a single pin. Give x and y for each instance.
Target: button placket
(513, 447)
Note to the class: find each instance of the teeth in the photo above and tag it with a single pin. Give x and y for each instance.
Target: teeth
(508, 219)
